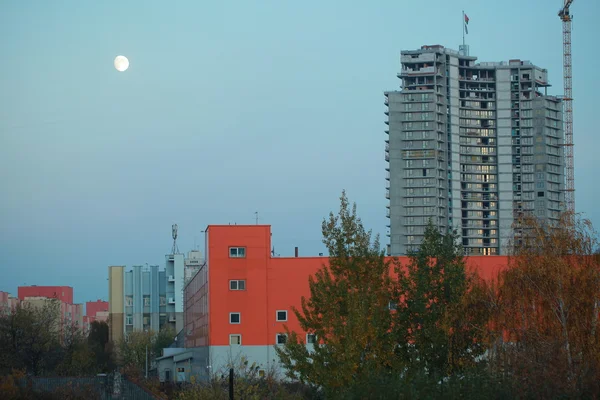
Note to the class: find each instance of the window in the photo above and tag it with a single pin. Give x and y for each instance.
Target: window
(282, 315)
(234, 318)
(311, 338)
(235, 340)
(281, 338)
(237, 285)
(237, 252)
(146, 301)
(129, 320)
(129, 301)
(392, 305)
(163, 301)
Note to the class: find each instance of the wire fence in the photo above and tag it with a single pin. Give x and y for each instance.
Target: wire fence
(104, 387)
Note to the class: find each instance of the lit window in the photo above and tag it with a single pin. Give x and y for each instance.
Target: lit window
(281, 338)
(282, 315)
(234, 318)
(311, 338)
(237, 285)
(237, 252)
(235, 340)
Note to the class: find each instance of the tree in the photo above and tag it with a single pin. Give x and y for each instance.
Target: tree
(439, 317)
(134, 347)
(29, 337)
(100, 345)
(348, 311)
(549, 307)
(76, 358)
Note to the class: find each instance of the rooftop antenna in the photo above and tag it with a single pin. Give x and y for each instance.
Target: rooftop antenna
(175, 249)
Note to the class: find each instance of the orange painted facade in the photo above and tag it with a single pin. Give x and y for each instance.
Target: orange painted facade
(271, 284)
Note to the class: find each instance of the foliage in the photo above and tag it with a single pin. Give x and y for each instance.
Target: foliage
(28, 337)
(134, 347)
(439, 318)
(248, 384)
(348, 310)
(101, 347)
(549, 305)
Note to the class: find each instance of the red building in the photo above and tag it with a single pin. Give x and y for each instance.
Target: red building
(95, 311)
(239, 302)
(37, 296)
(62, 293)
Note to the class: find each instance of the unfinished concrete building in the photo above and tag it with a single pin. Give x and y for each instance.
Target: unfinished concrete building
(471, 146)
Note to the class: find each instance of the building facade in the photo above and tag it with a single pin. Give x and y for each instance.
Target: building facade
(95, 311)
(471, 146)
(8, 303)
(62, 293)
(238, 303)
(193, 262)
(146, 297)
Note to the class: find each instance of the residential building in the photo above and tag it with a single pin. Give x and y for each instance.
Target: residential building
(62, 293)
(38, 296)
(240, 300)
(146, 297)
(95, 311)
(472, 146)
(8, 303)
(192, 264)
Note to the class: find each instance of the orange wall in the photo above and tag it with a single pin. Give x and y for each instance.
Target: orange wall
(271, 283)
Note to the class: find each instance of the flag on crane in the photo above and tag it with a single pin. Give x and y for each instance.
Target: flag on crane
(466, 23)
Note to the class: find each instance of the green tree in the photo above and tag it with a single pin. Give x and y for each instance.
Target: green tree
(100, 345)
(134, 347)
(348, 311)
(76, 357)
(438, 323)
(30, 337)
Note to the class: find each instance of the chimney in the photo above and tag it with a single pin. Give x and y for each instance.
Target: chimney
(295, 251)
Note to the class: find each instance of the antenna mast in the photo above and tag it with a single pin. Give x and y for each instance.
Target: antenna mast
(175, 249)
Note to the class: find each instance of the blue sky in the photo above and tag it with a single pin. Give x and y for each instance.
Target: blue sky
(228, 108)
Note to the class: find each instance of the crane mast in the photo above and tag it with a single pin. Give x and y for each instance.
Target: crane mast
(566, 18)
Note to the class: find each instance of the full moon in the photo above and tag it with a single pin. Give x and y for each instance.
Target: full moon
(121, 63)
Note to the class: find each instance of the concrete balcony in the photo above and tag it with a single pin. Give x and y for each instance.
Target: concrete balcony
(415, 72)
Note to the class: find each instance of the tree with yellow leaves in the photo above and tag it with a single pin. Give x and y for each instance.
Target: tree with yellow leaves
(549, 306)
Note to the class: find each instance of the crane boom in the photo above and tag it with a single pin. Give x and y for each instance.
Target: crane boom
(566, 18)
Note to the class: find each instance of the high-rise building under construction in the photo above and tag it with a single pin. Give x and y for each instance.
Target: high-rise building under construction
(471, 146)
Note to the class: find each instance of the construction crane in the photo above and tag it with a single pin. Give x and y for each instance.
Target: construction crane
(566, 18)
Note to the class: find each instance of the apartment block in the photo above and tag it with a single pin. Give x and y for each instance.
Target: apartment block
(8, 303)
(147, 297)
(95, 311)
(471, 146)
(238, 303)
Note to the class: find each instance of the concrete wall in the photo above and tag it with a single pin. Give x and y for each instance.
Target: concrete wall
(505, 164)
(116, 304)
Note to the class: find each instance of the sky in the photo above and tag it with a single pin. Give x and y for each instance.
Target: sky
(228, 108)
